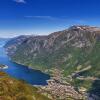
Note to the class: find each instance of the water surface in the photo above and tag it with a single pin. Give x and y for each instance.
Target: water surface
(21, 72)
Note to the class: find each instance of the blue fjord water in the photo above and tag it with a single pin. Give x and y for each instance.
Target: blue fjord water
(21, 72)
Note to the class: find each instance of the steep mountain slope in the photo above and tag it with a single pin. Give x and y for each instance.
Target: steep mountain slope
(12, 89)
(60, 49)
(75, 51)
(13, 43)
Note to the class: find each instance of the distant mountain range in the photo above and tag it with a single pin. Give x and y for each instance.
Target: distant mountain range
(2, 39)
(75, 51)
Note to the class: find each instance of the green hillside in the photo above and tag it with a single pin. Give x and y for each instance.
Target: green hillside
(12, 89)
(75, 52)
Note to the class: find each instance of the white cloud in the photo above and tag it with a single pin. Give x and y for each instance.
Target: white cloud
(41, 17)
(51, 18)
(58, 19)
(20, 1)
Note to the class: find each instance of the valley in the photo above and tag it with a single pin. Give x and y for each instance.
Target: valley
(49, 50)
(21, 72)
(71, 57)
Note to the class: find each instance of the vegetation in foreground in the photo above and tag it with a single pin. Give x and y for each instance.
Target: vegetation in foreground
(12, 89)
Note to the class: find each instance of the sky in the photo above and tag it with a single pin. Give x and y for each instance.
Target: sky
(42, 17)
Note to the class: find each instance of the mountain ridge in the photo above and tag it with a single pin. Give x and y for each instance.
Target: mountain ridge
(74, 51)
(72, 37)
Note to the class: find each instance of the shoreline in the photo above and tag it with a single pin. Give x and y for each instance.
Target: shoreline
(30, 67)
(34, 70)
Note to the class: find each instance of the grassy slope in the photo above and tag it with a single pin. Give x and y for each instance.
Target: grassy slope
(11, 89)
(94, 60)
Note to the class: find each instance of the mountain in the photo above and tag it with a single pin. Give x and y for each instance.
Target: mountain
(12, 89)
(74, 51)
(3, 41)
(13, 43)
(56, 49)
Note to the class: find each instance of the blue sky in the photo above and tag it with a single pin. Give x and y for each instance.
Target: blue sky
(45, 16)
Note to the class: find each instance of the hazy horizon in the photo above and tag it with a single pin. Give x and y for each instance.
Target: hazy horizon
(42, 17)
